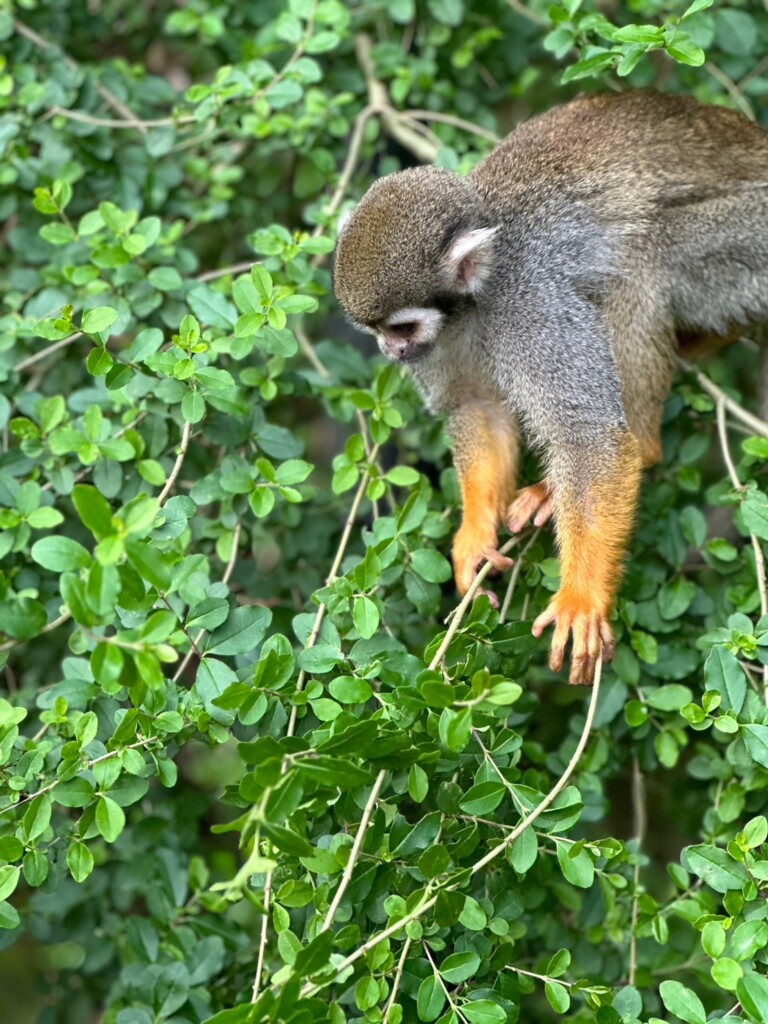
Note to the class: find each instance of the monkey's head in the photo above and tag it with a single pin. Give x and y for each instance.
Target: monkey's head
(412, 259)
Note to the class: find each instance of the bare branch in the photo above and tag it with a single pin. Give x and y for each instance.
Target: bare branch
(429, 902)
(183, 446)
(755, 424)
(48, 351)
(756, 546)
(354, 852)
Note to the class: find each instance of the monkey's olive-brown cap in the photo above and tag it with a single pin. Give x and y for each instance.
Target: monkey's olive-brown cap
(390, 252)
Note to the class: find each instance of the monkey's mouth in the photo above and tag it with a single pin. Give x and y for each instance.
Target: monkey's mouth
(411, 352)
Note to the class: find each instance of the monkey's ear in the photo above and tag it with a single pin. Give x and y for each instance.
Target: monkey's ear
(469, 259)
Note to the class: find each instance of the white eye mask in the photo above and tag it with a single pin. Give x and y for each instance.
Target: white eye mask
(427, 320)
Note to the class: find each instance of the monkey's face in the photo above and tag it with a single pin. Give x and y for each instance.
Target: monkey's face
(412, 258)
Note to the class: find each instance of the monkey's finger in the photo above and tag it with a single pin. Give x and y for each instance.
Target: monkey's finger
(609, 643)
(582, 671)
(464, 572)
(527, 502)
(545, 619)
(559, 640)
(490, 595)
(579, 649)
(585, 657)
(497, 560)
(545, 512)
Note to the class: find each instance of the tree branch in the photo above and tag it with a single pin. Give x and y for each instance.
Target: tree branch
(355, 851)
(429, 902)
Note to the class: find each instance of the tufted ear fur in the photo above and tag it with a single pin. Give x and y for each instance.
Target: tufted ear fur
(469, 259)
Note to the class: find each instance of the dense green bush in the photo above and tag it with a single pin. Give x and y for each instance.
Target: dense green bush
(247, 772)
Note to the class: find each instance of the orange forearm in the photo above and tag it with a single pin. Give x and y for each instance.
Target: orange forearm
(485, 454)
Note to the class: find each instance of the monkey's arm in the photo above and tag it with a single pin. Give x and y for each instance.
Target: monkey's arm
(595, 491)
(572, 397)
(485, 447)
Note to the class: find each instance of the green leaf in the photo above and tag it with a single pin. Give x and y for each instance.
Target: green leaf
(110, 818)
(726, 973)
(559, 964)
(683, 1002)
(431, 565)
(459, 967)
(9, 916)
(523, 851)
(715, 867)
(98, 319)
(483, 1011)
(752, 993)
(349, 690)
(455, 728)
(94, 510)
(578, 869)
(756, 739)
(60, 554)
(9, 879)
(210, 307)
(557, 996)
(36, 818)
(686, 52)
(79, 861)
(447, 12)
(695, 7)
(241, 633)
(723, 673)
(366, 617)
(671, 697)
(430, 999)
(483, 798)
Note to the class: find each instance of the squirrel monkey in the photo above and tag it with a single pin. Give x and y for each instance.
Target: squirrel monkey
(549, 292)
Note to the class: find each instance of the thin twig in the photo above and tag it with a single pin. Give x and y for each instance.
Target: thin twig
(756, 547)
(640, 821)
(224, 579)
(106, 94)
(456, 122)
(519, 8)
(355, 851)
(353, 154)
(182, 454)
(516, 570)
(755, 424)
(428, 903)
(397, 979)
(113, 122)
(539, 977)
(262, 940)
(308, 350)
(45, 352)
(10, 644)
(96, 760)
(731, 88)
(465, 602)
(378, 98)
(236, 268)
(340, 551)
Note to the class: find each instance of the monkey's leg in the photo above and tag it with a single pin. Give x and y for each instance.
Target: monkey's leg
(595, 494)
(486, 449)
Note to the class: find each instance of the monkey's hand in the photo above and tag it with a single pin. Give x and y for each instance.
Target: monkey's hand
(577, 616)
(533, 501)
(472, 548)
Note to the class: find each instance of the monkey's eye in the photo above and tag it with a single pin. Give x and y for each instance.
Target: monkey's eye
(404, 330)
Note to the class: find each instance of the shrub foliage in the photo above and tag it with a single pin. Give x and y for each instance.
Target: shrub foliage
(249, 771)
